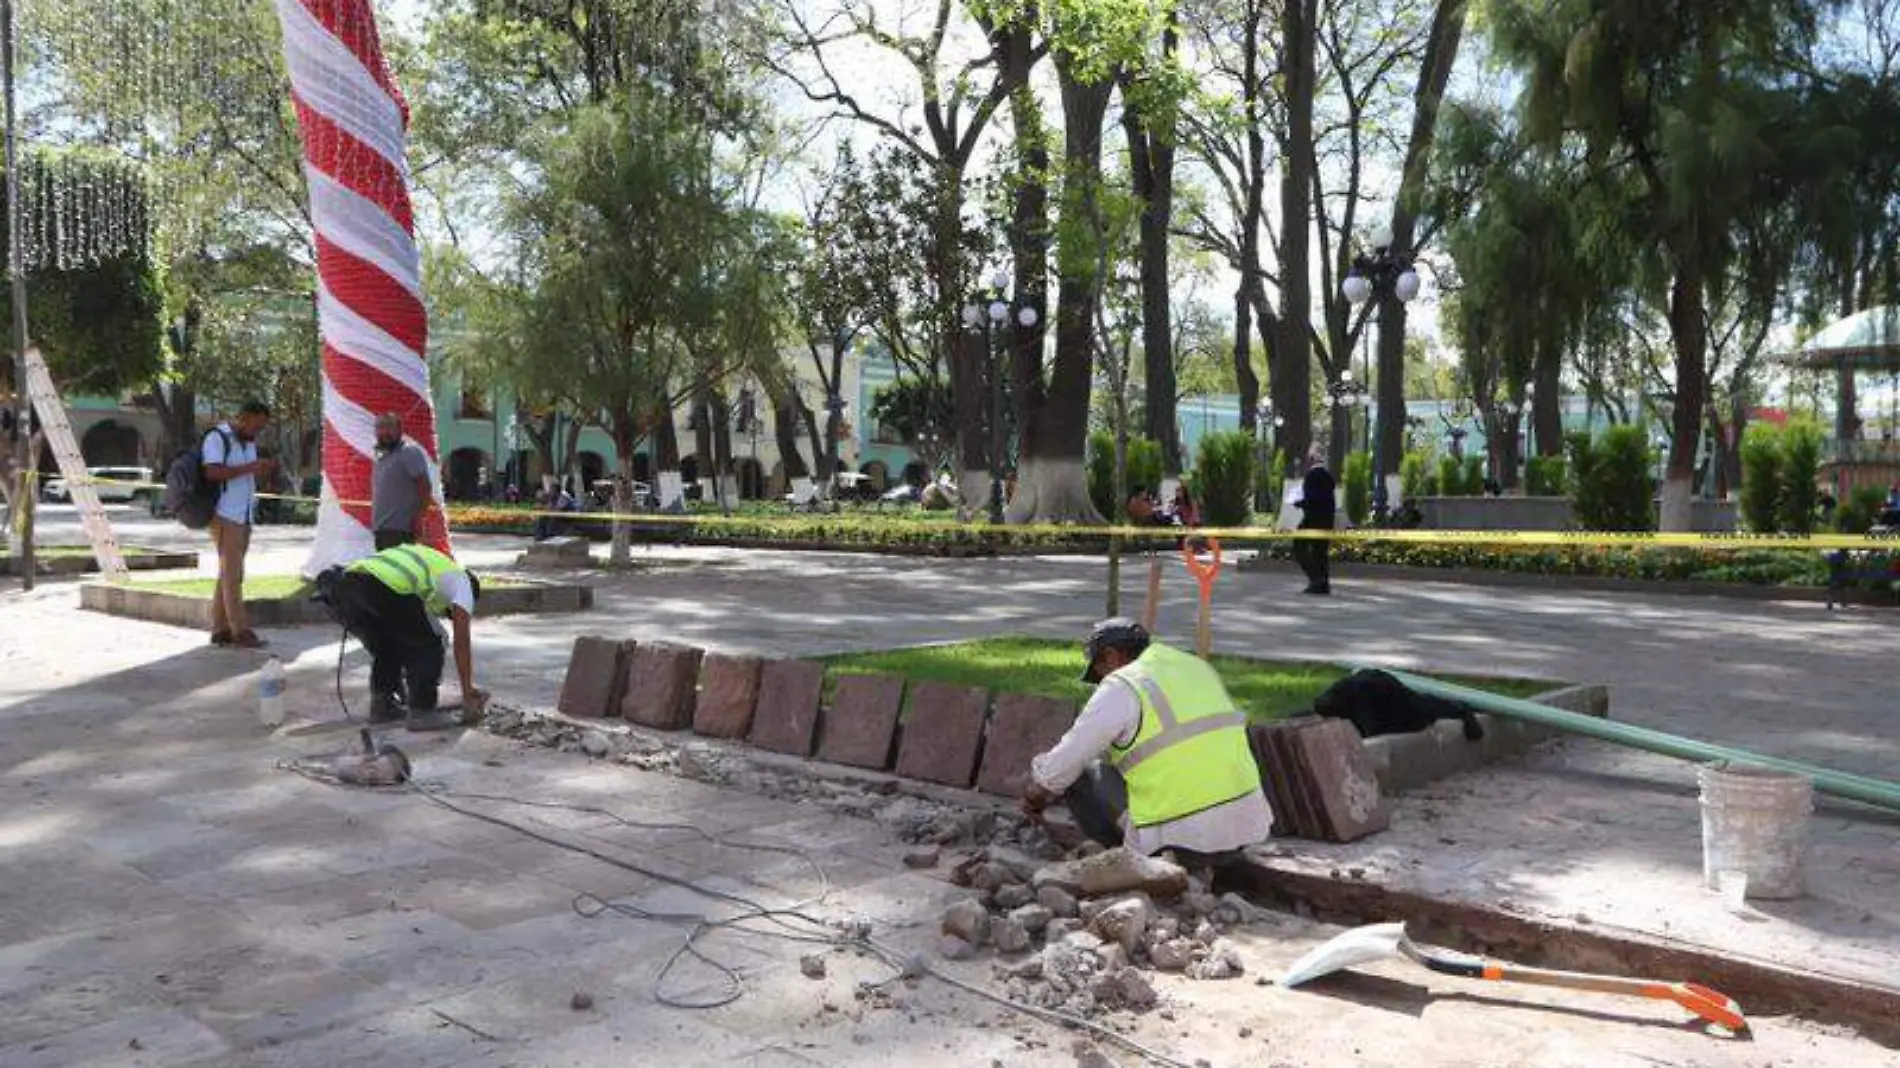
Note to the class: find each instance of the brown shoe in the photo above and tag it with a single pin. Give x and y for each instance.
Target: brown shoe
(221, 637)
(248, 640)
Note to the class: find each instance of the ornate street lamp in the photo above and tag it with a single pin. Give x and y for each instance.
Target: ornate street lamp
(1377, 273)
(992, 319)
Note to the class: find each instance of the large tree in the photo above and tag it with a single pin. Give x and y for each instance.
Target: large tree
(1690, 108)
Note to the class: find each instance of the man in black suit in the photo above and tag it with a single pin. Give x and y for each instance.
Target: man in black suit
(1318, 508)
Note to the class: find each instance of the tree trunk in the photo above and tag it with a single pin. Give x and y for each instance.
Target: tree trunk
(969, 393)
(1441, 55)
(1547, 412)
(1028, 238)
(1251, 286)
(1051, 486)
(1151, 150)
(1689, 331)
(722, 449)
(571, 473)
(785, 432)
(666, 458)
(1293, 353)
(625, 439)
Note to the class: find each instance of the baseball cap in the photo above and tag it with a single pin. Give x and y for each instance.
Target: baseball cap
(1117, 632)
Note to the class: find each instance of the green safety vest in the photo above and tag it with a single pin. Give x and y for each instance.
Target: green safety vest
(1191, 753)
(411, 570)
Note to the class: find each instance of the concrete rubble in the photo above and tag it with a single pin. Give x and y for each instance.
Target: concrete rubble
(1104, 922)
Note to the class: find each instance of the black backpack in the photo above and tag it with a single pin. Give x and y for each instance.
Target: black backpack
(189, 495)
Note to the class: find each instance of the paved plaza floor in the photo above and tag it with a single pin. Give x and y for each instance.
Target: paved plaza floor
(171, 897)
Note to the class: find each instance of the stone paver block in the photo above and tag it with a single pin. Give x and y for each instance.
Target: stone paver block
(728, 692)
(662, 679)
(861, 723)
(596, 673)
(943, 733)
(1021, 728)
(786, 720)
(1276, 778)
(1341, 782)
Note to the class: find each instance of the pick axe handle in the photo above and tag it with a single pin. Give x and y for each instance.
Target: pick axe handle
(1151, 609)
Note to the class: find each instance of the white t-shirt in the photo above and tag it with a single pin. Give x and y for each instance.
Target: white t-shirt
(239, 499)
(456, 590)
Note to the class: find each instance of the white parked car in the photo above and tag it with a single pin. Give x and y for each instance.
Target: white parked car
(115, 484)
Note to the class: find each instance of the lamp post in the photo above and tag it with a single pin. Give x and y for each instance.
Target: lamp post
(1263, 413)
(991, 319)
(1379, 273)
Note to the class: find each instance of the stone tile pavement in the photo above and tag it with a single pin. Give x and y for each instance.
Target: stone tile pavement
(171, 898)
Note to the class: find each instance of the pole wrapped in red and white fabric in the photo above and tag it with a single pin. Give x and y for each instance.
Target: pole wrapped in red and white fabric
(370, 310)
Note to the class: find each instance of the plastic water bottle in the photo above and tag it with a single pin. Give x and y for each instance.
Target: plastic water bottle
(270, 693)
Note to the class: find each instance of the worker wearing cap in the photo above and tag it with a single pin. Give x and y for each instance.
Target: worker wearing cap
(392, 602)
(1159, 758)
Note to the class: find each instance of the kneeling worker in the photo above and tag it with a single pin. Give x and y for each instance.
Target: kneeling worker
(392, 603)
(1159, 758)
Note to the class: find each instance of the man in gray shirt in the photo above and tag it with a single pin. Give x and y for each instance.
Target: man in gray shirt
(401, 493)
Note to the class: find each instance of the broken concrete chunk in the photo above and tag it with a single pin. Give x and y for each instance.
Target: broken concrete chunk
(968, 920)
(1013, 896)
(1173, 955)
(1124, 988)
(923, 858)
(1058, 901)
(1010, 935)
(1034, 918)
(812, 965)
(1123, 921)
(1223, 962)
(1114, 871)
(596, 744)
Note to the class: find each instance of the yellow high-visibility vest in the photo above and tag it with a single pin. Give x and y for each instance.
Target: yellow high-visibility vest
(1191, 753)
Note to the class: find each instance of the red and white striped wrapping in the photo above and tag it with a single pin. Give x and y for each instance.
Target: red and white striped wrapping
(370, 308)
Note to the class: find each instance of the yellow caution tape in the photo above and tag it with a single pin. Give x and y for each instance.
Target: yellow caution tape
(1528, 538)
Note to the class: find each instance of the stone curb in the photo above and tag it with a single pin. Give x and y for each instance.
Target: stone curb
(182, 610)
(1459, 576)
(1408, 761)
(82, 565)
(1761, 987)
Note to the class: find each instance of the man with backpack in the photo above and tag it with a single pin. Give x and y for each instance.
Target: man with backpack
(230, 466)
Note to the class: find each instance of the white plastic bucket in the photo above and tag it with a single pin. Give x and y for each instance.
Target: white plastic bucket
(1755, 822)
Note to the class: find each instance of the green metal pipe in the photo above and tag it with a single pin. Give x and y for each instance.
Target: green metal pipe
(1877, 792)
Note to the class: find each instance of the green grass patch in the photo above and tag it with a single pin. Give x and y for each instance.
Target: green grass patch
(1267, 689)
(256, 587)
(269, 587)
(63, 551)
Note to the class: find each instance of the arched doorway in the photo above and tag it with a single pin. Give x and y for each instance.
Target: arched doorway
(643, 468)
(110, 443)
(879, 473)
(916, 474)
(462, 478)
(689, 477)
(751, 480)
(593, 469)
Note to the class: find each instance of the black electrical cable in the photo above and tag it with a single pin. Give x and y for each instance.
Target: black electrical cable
(342, 646)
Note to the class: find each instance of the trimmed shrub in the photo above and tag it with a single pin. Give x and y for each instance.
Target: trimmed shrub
(1800, 463)
(1761, 478)
(1472, 484)
(1858, 513)
(1415, 475)
(1358, 486)
(1612, 491)
(1547, 476)
(1223, 478)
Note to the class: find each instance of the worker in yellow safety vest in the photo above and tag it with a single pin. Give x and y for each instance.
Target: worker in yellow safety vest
(1159, 758)
(393, 602)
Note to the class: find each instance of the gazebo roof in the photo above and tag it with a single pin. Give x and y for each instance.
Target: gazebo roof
(1866, 340)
